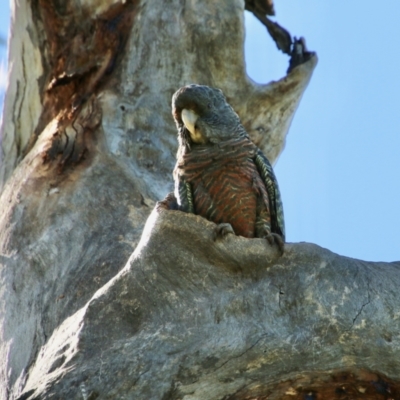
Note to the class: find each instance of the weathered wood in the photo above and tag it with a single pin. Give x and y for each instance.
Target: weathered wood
(71, 52)
(89, 145)
(190, 318)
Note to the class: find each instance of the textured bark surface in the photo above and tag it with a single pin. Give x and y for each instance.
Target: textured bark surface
(190, 318)
(89, 145)
(71, 52)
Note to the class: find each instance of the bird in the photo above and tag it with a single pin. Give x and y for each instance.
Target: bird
(220, 174)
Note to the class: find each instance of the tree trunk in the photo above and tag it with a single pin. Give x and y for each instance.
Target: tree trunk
(88, 147)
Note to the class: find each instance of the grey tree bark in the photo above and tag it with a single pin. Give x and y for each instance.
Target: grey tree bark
(89, 145)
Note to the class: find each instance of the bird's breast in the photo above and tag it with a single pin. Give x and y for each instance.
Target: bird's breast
(226, 184)
(227, 192)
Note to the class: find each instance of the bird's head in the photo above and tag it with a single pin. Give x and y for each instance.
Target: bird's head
(203, 116)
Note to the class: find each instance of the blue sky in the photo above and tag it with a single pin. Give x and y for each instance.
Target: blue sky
(339, 172)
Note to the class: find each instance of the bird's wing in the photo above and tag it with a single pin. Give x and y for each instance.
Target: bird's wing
(185, 196)
(276, 208)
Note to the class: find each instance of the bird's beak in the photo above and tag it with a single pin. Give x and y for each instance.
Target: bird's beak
(189, 118)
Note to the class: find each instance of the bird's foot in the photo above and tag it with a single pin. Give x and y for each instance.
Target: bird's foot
(222, 230)
(169, 203)
(275, 239)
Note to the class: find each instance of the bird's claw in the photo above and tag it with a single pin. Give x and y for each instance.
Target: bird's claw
(275, 239)
(222, 230)
(169, 203)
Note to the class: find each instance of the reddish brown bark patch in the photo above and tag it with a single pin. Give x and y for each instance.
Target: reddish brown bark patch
(337, 385)
(81, 53)
(73, 141)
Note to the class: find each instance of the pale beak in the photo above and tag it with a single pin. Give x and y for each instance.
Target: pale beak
(189, 118)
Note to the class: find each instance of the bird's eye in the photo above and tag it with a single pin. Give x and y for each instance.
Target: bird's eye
(209, 105)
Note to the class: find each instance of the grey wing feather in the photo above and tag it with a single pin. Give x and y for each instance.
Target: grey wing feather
(269, 179)
(185, 196)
